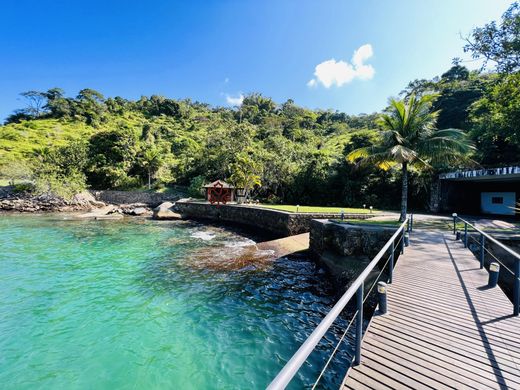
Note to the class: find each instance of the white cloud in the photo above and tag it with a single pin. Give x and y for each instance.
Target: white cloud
(311, 83)
(332, 72)
(235, 100)
(226, 80)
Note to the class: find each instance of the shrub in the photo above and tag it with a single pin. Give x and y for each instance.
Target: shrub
(195, 188)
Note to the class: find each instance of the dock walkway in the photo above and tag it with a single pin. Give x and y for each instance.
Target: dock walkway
(444, 328)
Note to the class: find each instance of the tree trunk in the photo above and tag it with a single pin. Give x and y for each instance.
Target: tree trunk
(149, 179)
(404, 193)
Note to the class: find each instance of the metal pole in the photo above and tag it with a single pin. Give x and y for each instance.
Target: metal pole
(411, 222)
(391, 271)
(516, 299)
(482, 250)
(381, 292)
(359, 325)
(454, 224)
(465, 235)
(494, 270)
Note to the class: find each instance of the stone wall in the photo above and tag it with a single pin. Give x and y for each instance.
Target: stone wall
(345, 250)
(124, 197)
(276, 222)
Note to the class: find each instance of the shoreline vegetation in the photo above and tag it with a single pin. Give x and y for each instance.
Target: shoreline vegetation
(277, 152)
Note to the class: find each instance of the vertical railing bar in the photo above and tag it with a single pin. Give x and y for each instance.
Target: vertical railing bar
(359, 325)
(391, 271)
(465, 234)
(482, 250)
(516, 300)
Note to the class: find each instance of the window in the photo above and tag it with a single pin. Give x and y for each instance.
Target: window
(497, 200)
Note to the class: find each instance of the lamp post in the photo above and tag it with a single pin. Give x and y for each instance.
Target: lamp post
(454, 215)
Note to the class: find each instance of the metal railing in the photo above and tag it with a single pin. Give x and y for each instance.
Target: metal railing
(482, 254)
(357, 288)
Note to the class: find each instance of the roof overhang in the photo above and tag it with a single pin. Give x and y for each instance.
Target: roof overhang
(511, 173)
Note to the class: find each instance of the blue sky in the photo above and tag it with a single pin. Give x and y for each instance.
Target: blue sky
(214, 51)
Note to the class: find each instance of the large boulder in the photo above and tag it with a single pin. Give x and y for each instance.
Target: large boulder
(97, 213)
(136, 209)
(165, 211)
(139, 211)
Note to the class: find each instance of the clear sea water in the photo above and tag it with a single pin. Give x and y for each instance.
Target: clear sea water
(141, 304)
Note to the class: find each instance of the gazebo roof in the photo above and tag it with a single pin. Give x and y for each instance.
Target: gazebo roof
(223, 183)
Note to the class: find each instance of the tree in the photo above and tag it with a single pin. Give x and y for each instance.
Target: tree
(498, 43)
(410, 139)
(494, 121)
(245, 173)
(151, 159)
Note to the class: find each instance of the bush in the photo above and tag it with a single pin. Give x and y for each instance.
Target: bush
(195, 188)
(23, 187)
(58, 185)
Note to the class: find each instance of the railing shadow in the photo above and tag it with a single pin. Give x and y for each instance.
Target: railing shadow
(482, 333)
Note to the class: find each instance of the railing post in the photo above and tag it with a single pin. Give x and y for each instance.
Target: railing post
(465, 234)
(359, 325)
(381, 292)
(411, 222)
(402, 243)
(494, 272)
(482, 250)
(516, 299)
(454, 215)
(391, 271)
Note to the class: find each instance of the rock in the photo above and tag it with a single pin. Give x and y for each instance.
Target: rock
(109, 216)
(165, 211)
(97, 203)
(103, 211)
(139, 211)
(84, 197)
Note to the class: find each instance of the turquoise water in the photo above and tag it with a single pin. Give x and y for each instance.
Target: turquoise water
(139, 304)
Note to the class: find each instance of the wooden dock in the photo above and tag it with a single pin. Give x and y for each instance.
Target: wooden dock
(444, 329)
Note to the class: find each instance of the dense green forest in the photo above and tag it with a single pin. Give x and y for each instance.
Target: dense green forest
(280, 151)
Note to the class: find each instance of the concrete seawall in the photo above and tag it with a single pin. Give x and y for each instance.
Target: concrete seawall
(345, 250)
(277, 222)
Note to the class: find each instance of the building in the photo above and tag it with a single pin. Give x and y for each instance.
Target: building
(493, 191)
(220, 192)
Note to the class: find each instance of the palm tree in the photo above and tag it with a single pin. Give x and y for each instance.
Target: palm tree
(410, 139)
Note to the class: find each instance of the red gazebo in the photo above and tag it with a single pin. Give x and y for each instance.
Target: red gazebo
(220, 192)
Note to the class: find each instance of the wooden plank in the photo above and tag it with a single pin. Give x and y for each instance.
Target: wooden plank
(478, 377)
(430, 343)
(443, 330)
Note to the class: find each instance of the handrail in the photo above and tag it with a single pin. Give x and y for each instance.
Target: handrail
(494, 240)
(483, 237)
(293, 365)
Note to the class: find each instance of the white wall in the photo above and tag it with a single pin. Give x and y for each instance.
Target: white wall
(504, 208)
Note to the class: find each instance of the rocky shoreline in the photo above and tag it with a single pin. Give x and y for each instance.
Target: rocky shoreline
(24, 202)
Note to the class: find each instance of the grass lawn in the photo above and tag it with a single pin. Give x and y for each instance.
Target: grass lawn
(4, 182)
(368, 222)
(317, 209)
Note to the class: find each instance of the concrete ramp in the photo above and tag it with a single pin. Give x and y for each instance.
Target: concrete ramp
(287, 245)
